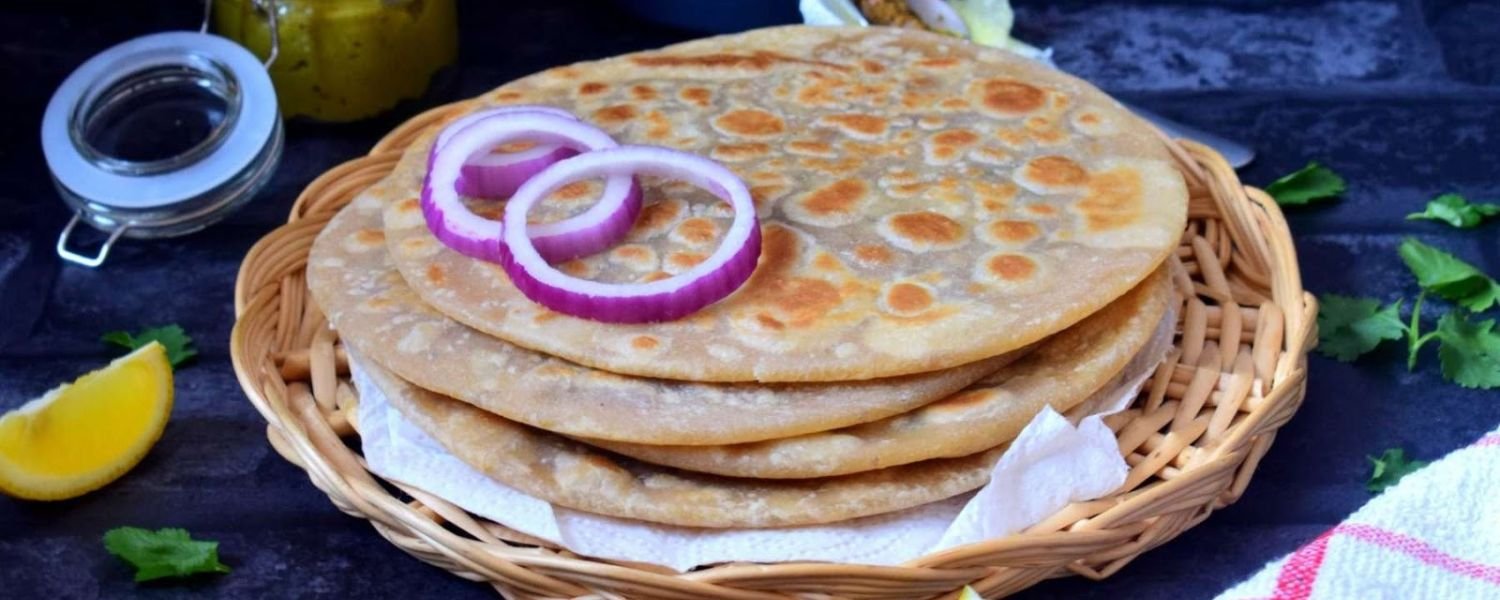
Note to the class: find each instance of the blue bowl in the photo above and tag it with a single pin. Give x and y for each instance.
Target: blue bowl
(714, 16)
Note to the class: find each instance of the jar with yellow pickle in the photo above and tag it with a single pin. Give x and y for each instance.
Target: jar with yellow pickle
(345, 60)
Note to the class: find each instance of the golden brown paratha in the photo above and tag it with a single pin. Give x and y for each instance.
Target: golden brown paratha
(925, 203)
(366, 300)
(571, 474)
(1062, 371)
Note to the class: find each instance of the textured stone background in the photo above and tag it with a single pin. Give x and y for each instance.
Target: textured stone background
(1402, 98)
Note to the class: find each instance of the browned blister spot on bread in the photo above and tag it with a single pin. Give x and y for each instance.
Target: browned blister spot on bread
(827, 262)
(857, 125)
(835, 204)
(908, 298)
(643, 92)
(922, 231)
(739, 152)
(577, 268)
(811, 148)
(657, 218)
(955, 137)
(765, 195)
(678, 262)
(819, 93)
(1011, 232)
(1049, 173)
(370, 237)
(436, 275)
(1045, 131)
(696, 96)
(658, 126)
(696, 231)
(636, 257)
(614, 115)
(954, 104)
(993, 197)
(574, 191)
(947, 146)
(749, 122)
(1001, 97)
(942, 62)
(1008, 268)
(1114, 200)
(833, 167)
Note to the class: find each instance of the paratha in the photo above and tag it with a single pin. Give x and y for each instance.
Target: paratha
(369, 304)
(1063, 371)
(572, 474)
(925, 203)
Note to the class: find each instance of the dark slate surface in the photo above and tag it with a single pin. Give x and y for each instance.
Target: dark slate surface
(1402, 98)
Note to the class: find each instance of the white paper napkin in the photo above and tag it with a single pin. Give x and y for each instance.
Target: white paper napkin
(1051, 464)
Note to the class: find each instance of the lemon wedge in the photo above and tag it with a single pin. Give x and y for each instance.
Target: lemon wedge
(83, 435)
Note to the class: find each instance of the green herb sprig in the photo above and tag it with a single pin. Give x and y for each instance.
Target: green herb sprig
(1468, 351)
(164, 553)
(1312, 183)
(179, 346)
(1456, 210)
(1389, 468)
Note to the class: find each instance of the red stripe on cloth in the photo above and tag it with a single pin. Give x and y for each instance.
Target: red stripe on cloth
(1301, 570)
(1489, 440)
(1421, 551)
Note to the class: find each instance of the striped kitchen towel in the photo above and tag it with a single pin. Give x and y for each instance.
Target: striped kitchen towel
(1435, 534)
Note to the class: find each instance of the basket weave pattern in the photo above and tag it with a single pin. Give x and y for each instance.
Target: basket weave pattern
(1192, 439)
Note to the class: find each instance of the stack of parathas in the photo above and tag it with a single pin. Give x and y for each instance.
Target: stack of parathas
(953, 238)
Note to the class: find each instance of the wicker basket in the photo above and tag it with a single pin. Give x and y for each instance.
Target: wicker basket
(1193, 438)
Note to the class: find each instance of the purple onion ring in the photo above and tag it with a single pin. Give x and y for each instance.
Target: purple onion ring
(718, 276)
(589, 232)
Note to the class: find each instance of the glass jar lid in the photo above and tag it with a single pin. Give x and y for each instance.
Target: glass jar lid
(160, 135)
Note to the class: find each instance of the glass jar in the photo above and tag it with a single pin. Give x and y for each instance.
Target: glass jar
(344, 60)
(160, 136)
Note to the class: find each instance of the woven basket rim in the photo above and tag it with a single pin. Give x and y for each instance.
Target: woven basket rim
(1237, 248)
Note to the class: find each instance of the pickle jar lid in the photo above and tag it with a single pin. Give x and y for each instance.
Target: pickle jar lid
(159, 136)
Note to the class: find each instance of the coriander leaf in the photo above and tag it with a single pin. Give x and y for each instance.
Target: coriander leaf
(176, 341)
(1390, 468)
(1447, 276)
(1312, 182)
(1470, 352)
(163, 553)
(1349, 327)
(1455, 210)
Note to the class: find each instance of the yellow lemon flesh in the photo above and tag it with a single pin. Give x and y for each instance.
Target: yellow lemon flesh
(83, 435)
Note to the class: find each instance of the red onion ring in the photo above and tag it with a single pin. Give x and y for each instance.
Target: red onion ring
(496, 176)
(595, 229)
(718, 276)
